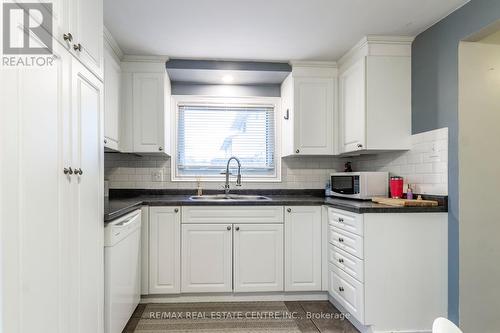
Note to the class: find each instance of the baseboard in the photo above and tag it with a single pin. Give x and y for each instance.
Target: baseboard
(236, 297)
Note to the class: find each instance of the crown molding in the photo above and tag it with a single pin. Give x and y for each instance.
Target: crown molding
(315, 64)
(112, 43)
(376, 40)
(145, 58)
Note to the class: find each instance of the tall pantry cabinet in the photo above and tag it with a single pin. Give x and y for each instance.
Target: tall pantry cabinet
(51, 208)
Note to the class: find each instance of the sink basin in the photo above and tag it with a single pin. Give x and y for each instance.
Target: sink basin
(228, 197)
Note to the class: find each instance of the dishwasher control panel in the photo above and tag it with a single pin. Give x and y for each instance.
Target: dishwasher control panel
(119, 229)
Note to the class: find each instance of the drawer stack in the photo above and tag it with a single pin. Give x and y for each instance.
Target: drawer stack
(345, 260)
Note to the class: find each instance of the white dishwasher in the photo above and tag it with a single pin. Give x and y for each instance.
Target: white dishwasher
(122, 270)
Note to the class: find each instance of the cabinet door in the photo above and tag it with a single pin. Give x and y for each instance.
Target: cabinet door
(353, 107)
(112, 79)
(86, 26)
(347, 291)
(35, 197)
(206, 258)
(148, 112)
(55, 17)
(303, 248)
(258, 257)
(87, 228)
(314, 110)
(287, 117)
(164, 250)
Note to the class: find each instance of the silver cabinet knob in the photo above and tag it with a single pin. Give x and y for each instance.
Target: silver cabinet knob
(105, 141)
(360, 145)
(68, 37)
(289, 210)
(77, 47)
(228, 227)
(297, 151)
(341, 240)
(341, 260)
(237, 228)
(78, 171)
(341, 289)
(160, 148)
(176, 210)
(68, 171)
(341, 219)
(287, 116)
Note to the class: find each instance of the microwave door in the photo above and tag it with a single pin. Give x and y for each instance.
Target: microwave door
(344, 184)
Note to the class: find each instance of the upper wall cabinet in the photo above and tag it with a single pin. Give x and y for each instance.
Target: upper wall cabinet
(112, 94)
(146, 105)
(85, 27)
(375, 95)
(78, 26)
(309, 110)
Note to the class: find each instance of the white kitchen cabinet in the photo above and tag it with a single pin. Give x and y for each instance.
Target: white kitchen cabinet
(146, 105)
(112, 99)
(78, 26)
(87, 235)
(348, 291)
(376, 263)
(309, 110)
(258, 257)
(207, 258)
(52, 252)
(303, 248)
(86, 26)
(148, 111)
(375, 95)
(164, 250)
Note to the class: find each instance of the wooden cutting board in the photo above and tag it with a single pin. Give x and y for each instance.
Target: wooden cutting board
(405, 202)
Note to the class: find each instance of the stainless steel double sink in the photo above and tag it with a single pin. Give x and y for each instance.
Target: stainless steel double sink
(228, 197)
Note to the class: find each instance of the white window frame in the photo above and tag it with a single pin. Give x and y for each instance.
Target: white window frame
(177, 100)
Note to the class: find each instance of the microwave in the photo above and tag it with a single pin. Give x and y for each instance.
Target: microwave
(359, 185)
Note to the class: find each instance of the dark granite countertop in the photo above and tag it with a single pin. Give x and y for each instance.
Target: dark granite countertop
(123, 202)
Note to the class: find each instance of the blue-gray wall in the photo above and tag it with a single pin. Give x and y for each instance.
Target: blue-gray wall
(435, 103)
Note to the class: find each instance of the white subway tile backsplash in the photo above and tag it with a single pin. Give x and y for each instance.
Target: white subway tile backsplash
(133, 171)
(415, 158)
(424, 166)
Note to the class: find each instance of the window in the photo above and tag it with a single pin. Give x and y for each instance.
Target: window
(208, 134)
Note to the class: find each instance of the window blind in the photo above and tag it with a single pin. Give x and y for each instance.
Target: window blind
(207, 135)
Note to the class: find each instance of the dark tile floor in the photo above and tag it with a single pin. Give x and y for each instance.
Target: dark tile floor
(312, 316)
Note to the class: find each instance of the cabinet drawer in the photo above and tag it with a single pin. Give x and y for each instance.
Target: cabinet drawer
(347, 291)
(346, 221)
(348, 263)
(232, 214)
(347, 241)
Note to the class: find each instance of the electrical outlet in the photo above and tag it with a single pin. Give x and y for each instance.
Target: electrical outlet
(157, 175)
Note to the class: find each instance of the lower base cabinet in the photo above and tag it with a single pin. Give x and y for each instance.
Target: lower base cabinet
(212, 252)
(258, 257)
(207, 258)
(348, 291)
(164, 250)
(384, 266)
(303, 248)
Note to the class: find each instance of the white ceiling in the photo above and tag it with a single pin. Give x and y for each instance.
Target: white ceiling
(272, 30)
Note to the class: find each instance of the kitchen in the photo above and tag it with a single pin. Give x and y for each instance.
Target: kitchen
(228, 176)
